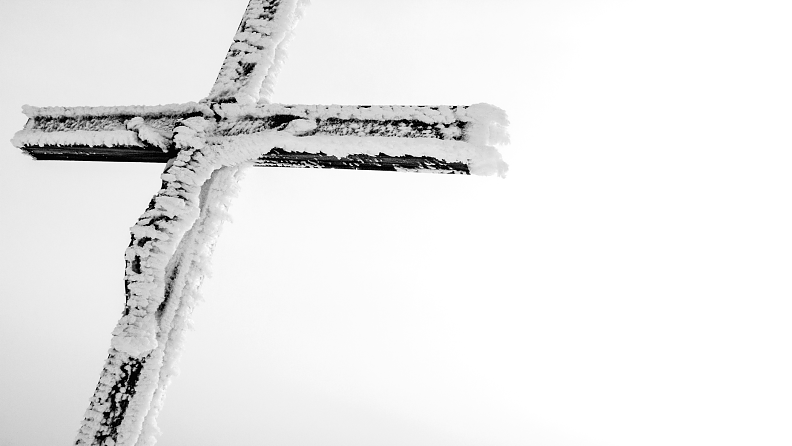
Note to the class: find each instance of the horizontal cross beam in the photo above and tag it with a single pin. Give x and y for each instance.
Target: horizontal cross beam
(144, 133)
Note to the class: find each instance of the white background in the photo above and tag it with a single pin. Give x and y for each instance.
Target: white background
(627, 284)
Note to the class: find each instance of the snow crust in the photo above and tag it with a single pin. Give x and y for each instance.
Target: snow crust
(258, 51)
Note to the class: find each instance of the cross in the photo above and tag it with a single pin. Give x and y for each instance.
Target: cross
(204, 145)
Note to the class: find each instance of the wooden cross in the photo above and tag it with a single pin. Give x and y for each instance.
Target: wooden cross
(204, 145)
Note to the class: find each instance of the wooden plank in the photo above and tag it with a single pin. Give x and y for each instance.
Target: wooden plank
(274, 158)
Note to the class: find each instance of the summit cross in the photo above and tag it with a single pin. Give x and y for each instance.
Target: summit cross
(205, 145)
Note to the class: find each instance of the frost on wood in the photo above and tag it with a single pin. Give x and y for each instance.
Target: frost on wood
(257, 54)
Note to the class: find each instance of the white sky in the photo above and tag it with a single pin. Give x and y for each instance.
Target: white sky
(627, 284)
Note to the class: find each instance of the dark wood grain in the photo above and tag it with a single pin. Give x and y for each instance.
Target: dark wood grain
(274, 158)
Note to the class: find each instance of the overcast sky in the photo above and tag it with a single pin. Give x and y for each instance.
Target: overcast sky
(626, 284)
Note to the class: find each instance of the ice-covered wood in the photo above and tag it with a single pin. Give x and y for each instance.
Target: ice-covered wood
(206, 146)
